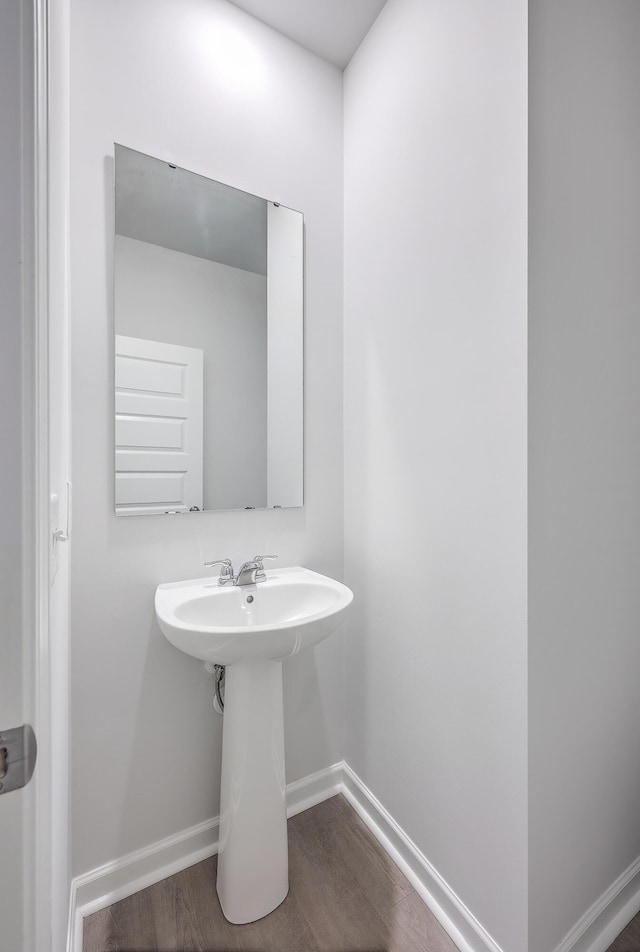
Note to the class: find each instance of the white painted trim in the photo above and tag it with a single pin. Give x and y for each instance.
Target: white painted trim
(51, 461)
(594, 931)
(607, 917)
(125, 876)
(129, 874)
(455, 918)
(39, 488)
(314, 788)
(101, 887)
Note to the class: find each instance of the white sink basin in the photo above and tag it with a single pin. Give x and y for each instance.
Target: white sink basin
(293, 609)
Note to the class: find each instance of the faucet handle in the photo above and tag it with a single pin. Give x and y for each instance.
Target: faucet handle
(259, 559)
(227, 567)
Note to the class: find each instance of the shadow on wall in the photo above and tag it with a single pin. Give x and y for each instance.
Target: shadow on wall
(175, 694)
(175, 697)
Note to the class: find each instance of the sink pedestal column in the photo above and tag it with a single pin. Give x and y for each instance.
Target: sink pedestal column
(253, 867)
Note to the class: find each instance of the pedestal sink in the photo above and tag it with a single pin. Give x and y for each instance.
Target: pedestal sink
(251, 629)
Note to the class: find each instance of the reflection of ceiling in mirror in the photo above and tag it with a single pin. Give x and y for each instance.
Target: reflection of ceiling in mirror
(176, 209)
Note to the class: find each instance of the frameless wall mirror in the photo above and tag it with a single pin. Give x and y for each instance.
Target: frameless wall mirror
(208, 343)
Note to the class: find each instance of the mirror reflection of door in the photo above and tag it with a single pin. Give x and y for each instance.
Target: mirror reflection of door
(158, 426)
(201, 265)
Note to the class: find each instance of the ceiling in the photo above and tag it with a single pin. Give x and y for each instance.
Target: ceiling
(164, 205)
(333, 29)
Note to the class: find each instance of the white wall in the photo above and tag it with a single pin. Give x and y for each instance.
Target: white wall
(435, 438)
(584, 342)
(164, 295)
(206, 86)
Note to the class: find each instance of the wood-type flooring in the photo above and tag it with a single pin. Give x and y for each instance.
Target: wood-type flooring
(345, 895)
(629, 938)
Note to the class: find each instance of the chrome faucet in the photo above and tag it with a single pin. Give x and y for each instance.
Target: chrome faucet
(252, 571)
(249, 573)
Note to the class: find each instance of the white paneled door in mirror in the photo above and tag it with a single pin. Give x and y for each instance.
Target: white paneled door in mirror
(158, 426)
(205, 268)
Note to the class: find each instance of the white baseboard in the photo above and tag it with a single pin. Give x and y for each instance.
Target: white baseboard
(460, 923)
(313, 789)
(128, 875)
(125, 876)
(607, 917)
